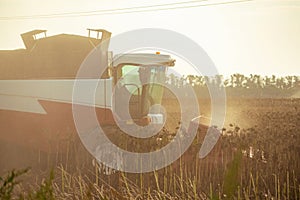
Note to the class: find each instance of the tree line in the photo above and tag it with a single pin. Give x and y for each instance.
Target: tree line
(239, 85)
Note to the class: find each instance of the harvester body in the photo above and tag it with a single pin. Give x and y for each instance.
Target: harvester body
(37, 84)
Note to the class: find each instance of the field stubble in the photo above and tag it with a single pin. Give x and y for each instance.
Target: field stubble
(257, 157)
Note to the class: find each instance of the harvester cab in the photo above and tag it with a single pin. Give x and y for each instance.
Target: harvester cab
(139, 80)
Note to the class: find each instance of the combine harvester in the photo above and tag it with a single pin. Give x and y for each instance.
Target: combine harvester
(36, 88)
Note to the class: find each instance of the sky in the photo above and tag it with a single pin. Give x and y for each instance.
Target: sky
(254, 37)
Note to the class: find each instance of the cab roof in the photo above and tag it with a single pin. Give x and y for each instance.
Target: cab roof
(143, 59)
